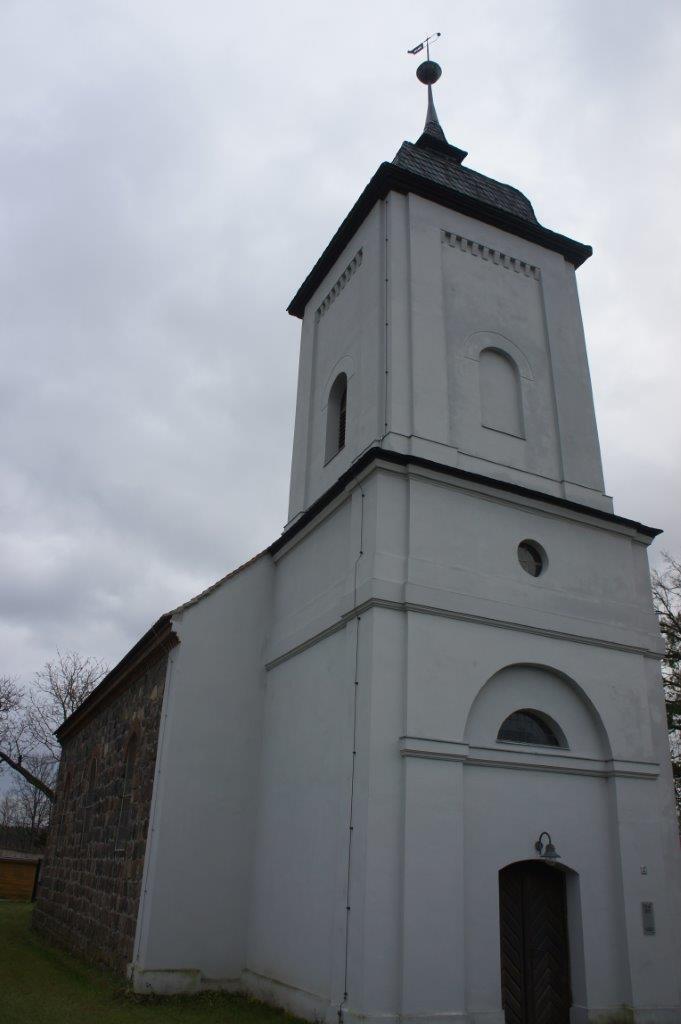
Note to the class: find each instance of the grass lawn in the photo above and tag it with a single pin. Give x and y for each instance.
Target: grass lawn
(43, 985)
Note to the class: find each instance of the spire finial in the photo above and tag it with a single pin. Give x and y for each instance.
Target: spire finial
(428, 72)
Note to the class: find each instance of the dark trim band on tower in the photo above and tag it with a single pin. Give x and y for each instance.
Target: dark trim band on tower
(161, 638)
(390, 178)
(400, 459)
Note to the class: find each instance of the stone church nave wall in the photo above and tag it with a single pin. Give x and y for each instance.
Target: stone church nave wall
(89, 890)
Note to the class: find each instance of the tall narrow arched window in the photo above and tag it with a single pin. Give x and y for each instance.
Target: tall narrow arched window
(125, 815)
(336, 417)
(342, 413)
(500, 395)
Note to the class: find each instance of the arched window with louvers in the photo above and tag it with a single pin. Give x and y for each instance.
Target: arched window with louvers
(336, 417)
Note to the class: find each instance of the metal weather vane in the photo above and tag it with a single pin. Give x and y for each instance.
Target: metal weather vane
(426, 42)
(428, 72)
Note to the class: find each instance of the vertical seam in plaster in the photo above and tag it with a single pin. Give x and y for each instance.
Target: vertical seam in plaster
(354, 759)
(257, 785)
(386, 212)
(403, 766)
(310, 412)
(554, 396)
(613, 786)
(408, 319)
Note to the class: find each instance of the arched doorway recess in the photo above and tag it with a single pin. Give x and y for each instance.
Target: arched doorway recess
(535, 958)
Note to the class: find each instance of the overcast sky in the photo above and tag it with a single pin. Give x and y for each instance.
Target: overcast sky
(170, 171)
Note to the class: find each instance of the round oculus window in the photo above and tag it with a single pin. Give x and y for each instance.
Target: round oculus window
(532, 557)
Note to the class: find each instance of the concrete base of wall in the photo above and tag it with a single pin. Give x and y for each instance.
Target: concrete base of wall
(184, 982)
(429, 1018)
(625, 1015)
(166, 983)
(312, 1007)
(487, 1017)
(298, 1001)
(660, 1015)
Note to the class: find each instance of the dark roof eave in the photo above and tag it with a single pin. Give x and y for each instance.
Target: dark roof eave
(390, 178)
(405, 460)
(155, 642)
(161, 638)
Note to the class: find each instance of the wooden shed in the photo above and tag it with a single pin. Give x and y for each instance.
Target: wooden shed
(18, 875)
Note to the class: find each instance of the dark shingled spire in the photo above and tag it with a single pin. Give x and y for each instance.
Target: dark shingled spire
(432, 127)
(432, 168)
(434, 159)
(432, 134)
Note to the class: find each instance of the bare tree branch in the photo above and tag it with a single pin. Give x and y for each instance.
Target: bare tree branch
(27, 774)
(59, 688)
(11, 721)
(11, 703)
(28, 720)
(25, 810)
(667, 598)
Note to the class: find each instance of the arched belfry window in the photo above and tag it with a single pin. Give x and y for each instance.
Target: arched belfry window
(336, 417)
(342, 412)
(527, 726)
(500, 396)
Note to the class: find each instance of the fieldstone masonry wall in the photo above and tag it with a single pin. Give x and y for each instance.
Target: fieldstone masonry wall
(89, 889)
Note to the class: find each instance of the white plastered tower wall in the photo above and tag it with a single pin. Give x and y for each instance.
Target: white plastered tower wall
(391, 635)
(452, 617)
(343, 695)
(434, 289)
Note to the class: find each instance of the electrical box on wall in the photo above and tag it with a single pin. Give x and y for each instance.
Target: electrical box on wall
(648, 915)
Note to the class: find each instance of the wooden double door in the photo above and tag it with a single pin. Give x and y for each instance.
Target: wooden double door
(535, 962)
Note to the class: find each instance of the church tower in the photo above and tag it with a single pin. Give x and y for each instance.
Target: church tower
(521, 864)
(452, 318)
(410, 763)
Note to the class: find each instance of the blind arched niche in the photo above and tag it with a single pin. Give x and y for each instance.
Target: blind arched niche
(500, 396)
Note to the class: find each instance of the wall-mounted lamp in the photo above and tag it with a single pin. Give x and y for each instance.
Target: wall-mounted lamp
(546, 851)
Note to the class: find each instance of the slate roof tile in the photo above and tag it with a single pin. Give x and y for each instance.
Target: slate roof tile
(446, 170)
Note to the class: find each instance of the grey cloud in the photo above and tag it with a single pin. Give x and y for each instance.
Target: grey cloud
(169, 175)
